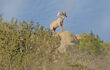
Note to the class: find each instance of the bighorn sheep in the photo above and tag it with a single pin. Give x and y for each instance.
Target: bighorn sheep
(59, 22)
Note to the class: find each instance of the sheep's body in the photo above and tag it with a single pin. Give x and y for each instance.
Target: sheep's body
(58, 23)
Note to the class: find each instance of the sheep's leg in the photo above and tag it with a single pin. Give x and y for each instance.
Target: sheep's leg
(53, 30)
(61, 28)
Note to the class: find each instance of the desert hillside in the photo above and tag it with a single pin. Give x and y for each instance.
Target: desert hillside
(24, 46)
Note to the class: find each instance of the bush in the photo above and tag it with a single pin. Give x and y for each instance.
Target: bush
(90, 43)
(21, 44)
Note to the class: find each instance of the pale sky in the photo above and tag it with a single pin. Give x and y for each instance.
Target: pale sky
(83, 15)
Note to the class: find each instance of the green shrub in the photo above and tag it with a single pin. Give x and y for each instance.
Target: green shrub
(90, 43)
(105, 47)
(22, 43)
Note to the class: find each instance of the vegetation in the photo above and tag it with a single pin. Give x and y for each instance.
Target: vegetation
(24, 46)
(20, 43)
(90, 43)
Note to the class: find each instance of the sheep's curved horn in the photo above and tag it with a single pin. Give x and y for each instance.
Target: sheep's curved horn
(59, 13)
(65, 14)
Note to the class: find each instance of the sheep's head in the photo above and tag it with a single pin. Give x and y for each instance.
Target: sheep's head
(62, 14)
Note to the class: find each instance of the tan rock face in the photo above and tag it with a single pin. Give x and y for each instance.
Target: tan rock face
(78, 36)
(67, 39)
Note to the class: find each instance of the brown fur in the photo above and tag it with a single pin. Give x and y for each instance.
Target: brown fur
(59, 22)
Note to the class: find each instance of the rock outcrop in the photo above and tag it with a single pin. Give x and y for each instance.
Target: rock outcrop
(68, 41)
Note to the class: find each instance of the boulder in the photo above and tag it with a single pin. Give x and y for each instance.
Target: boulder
(68, 40)
(67, 37)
